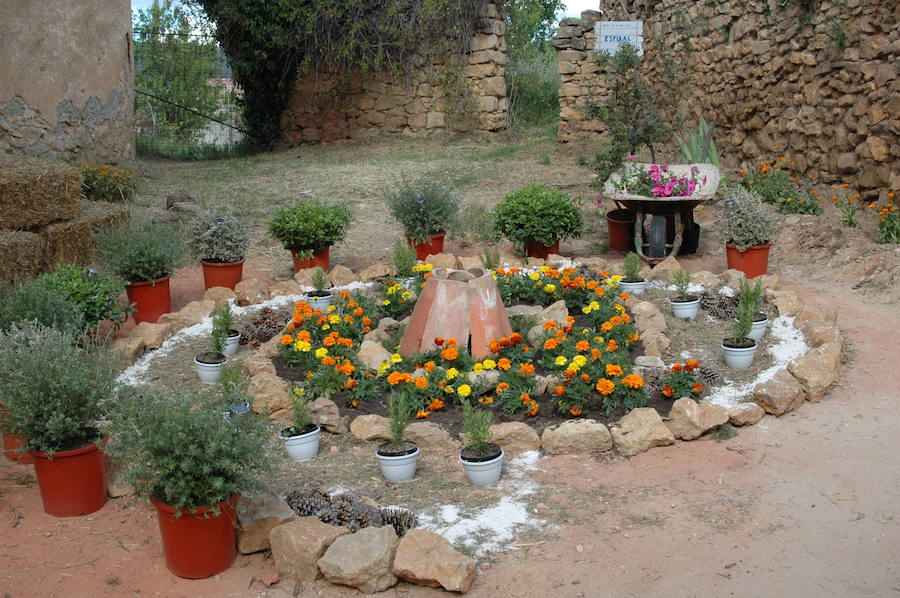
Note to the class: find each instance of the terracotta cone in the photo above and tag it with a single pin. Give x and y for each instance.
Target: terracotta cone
(460, 304)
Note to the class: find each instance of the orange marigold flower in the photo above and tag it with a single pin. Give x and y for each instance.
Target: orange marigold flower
(668, 391)
(436, 405)
(504, 364)
(633, 381)
(504, 342)
(449, 354)
(697, 387)
(559, 390)
(595, 354)
(605, 386)
(526, 398)
(451, 342)
(515, 338)
(358, 311)
(286, 339)
(438, 341)
(613, 369)
(502, 387)
(494, 346)
(526, 370)
(367, 321)
(676, 367)
(549, 325)
(354, 403)
(576, 411)
(329, 341)
(398, 378)
(421, 382)
(633, 337)
(328, 360)
(347, 368)
(585, 378)
(570, 320)
(420, 414)
(350, 384)
(345, 294)
(533, 408)
(691, 365)
(606, 326)
(582, 346)
(429, 366)
(612, 346)
(550, 344)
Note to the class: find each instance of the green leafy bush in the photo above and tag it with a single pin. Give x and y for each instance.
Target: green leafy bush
(533, 83)
(105, 183)
(182, 450)
(537, 213)
(141, 250)
(35, 301)
(747, 222)
(477, 428)
(748, 304)
(631, 267)
(404, 258)
(220, 239)
(310, 225)
(423, 208)
(95, 296)
(54, 390)
(399, 412)
(222, 320)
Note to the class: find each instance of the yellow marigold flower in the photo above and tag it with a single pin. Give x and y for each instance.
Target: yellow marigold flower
(331, 308)
(544, 269)
(534, 275)
(489, 364)
(550, 288)
(321, 352)
(385, 302)
(478, 368)
(302, 346)
(561, 360)
(452, 373)
(396, 358)
(406, 295)
(464, 390)
(486, 400)
(580, 360)
(619, 308)
(383, 367)
(334, 319)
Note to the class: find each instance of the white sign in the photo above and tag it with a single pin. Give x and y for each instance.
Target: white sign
(611, 34)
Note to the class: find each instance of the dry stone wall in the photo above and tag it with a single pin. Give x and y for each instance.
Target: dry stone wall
(821, 87)
(324, 107)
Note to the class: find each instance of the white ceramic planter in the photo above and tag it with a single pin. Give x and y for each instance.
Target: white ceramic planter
(231, 345)
(739, 358)
(209, 373)
(398, 469)
(685, 309)
(319, 302)
(303, 447)
(758, 330)
(483, 473)
(633, 288)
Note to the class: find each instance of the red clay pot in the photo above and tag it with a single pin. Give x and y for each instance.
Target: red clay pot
(539, 250)
(199, 544)
(321, 259)
(217, 274)
(72, 482)
(152, 298)
(753, 262)
(620, 224)
(433, 246)
(11, 444)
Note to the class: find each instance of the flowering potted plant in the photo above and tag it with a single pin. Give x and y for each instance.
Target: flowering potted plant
(684, 305)
(682, 381)
(661, 180)
(308, 229)
(220, 242)
(740, 348)
(319, 298)
(301, 439)
(209, 364)
(144, 253)
(426, 211)
(192, 463)
(55, 393)
(481, 458)
(398, 456)
(749, 230)
(538, 217)
(632, 281)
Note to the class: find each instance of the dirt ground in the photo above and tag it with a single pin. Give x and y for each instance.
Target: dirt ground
(803, 505)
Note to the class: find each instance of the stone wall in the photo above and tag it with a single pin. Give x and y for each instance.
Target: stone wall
(66, 79)
(775, 80)
(325, 108)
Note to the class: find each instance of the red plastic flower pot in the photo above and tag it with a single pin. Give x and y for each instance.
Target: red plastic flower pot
(620, 224)
(152, 299)
(198, 544)
(539, 250)
(72, 482)
(11, 445)
(433, 246)
(753, 262)
(321, 259)
(226, 275)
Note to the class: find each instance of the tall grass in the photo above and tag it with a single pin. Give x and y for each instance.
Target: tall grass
(533, 85)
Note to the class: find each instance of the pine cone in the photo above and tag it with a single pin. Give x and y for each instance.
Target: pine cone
(710, 377)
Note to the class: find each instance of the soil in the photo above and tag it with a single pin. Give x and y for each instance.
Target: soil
(211, 358)
(392, 450)
(492, 451)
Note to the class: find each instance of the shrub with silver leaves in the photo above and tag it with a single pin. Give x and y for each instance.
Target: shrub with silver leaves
(220, 239)
(747, 222)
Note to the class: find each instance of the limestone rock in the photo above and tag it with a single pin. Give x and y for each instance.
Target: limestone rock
(544, 384)
(218, 295)
(341, 276)
(808, 312)
(257, 364)
(362, 560)
(779, 395)
(428, 559)
(190, 314)
(271, 347)
(131, 347)
(665, 269)
(284, 288)
(640, 430)
(303, 278)
(153, 335)
(269, 393)
(576, 436)
(706, 279)
(372, 354)
(429, 435)
(535, 334)
(389, 324)
(523, 310)
(370, 427)
(485, 380)
(375, 271)
(648, 317)
(817, 370)
(469, 262)
(745, 414)
(787, 302)
(251, 291)
(818, 333)
(442, 260)
(377, 336)
(325, 412)
(689, 420)
(770, 281)
(116, 487)
(556, 312)
(655, 343)
(515, 437)
(298, 545)
(597, 264)
(258, 515)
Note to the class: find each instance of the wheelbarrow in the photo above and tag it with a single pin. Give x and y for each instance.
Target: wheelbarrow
(663, 209)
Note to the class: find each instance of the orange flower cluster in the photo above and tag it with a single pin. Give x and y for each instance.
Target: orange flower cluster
(395, 378)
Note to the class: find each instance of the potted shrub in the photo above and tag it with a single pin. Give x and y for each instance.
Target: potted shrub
(308, 229)
(398, 456)
(740, 348)
(14, 444)
(55, 393)
(482, 459)
(226, 322)
(425, 211)
(94, 295)
(301, 439)
(144, 253)
(192, 463)
(632, 281)
(209, 364)
(319, 298)
(220, 242)
(684, 305)
(748, 229)
(538, 217)
(33, 301)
